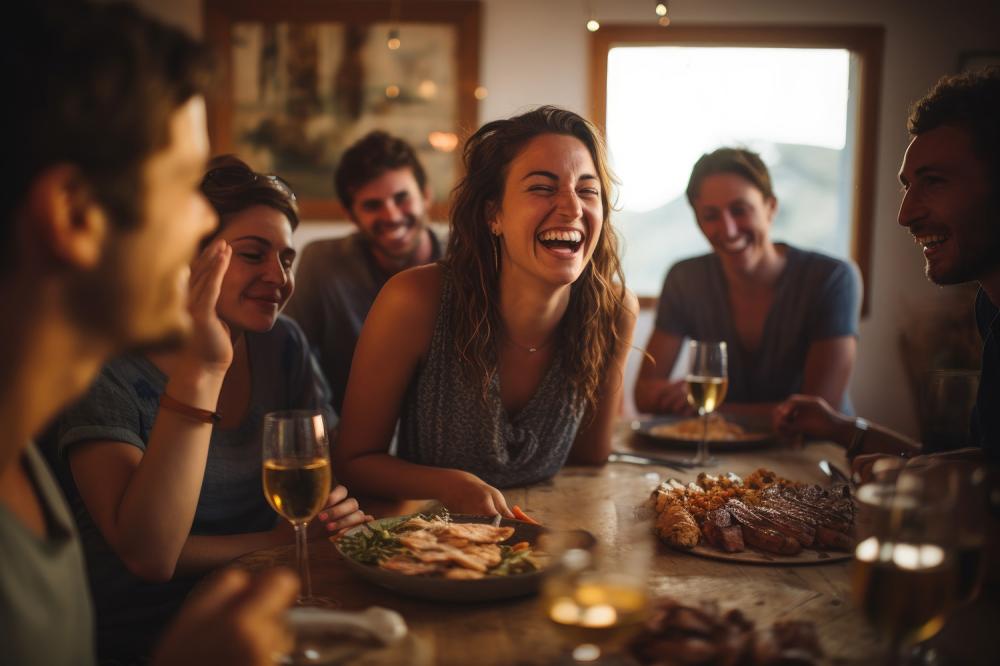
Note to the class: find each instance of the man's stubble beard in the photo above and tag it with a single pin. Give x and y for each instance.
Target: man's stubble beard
(420, 227)
(983, 256)
(103, 306)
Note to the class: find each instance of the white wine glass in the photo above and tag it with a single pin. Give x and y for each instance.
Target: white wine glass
(297, 478)
(707, 381)
(904, 577)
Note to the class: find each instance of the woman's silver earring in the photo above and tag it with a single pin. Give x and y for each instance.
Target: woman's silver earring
(496, 254)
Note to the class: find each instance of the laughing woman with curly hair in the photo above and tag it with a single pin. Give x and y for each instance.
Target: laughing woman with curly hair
(506, 359)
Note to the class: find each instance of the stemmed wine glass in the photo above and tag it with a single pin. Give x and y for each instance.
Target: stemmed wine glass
(297, 478)
(707, 380)
(904, 575)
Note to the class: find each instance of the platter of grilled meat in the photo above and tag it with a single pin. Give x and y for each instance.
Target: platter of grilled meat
(763, 519)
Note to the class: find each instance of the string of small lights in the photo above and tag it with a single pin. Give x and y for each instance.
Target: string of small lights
(661, 10)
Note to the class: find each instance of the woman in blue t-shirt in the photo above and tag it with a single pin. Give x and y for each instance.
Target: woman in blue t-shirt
(789, 316)
(162, 459)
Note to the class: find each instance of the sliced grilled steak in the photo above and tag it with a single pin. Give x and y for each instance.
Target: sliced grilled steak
(722, 531)
(824, 514)
(828, 538)
(787, 524)
(807, 516)
(759, 533)
(841, 506)
(774, 520)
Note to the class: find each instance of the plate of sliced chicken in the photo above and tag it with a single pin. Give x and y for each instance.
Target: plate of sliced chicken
(764, 519)
(448, 557)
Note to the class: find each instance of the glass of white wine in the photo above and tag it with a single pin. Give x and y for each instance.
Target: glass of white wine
(707, 381)
(904, 577)
(297, 478)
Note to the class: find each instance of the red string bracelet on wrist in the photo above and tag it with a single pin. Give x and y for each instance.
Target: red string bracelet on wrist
(193, 413)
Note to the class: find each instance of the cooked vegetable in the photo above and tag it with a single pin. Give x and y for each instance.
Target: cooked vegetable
(521, 515)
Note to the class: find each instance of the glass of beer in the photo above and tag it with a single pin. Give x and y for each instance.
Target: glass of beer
(297, 478)
(905, 576)
(707, 381)
(972, 521)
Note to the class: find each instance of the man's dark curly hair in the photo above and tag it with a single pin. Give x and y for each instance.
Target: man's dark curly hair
(969, 101)
(95, 87)
(370, 157)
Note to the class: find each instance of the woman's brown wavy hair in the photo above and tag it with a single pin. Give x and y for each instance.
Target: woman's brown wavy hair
(588, 333)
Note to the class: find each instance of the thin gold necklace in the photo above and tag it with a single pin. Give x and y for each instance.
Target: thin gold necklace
(530, 350)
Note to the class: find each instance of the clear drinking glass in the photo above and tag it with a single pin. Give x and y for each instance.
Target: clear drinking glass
(597, 595)
(945, 403)
(904, 577)
(297, 478)
(971, 521)
(707, 382)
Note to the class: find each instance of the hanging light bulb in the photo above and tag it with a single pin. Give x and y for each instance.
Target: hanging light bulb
(661, 12)
(593, 24)
(393, 42)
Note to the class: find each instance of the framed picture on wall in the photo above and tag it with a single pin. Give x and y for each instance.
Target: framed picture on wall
(969, 61)
(303, 80)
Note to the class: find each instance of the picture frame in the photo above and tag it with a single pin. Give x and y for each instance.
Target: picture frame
(969, 61)
(301, 80)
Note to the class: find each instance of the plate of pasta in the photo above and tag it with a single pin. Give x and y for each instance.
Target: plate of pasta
(724, 432)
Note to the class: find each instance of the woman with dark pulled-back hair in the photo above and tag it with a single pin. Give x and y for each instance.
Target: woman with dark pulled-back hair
(161, 460)
(506, 359)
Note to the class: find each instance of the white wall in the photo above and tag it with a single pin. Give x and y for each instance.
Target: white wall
(537, 51)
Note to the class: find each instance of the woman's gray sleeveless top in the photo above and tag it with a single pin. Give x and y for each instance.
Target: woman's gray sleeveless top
(445, 423)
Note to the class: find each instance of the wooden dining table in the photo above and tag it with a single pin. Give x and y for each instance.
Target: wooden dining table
(592, 498)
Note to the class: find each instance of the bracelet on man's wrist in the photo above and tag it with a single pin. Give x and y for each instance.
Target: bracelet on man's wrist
(857, 437)
(189, 411)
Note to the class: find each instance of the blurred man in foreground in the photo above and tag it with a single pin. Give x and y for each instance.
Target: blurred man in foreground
(101, 217)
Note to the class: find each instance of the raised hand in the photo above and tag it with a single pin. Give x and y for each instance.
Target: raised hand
(210, 342)
(233, 620)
